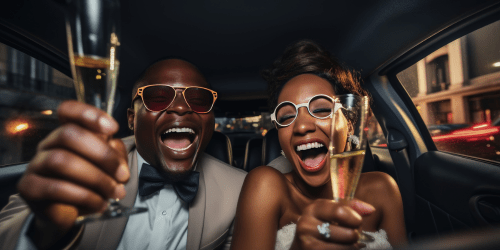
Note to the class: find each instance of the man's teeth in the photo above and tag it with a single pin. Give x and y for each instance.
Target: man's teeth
(309, 146)
(180, 130)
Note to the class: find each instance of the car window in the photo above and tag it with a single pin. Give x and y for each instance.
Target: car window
(257, 126)
(30, 92)
(456, 90)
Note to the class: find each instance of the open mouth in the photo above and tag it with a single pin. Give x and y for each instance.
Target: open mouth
(178, 139)
(312, 155)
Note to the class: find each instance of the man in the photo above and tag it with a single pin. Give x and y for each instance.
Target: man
(76, 170)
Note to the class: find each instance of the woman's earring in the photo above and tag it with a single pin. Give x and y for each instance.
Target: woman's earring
(283, 153)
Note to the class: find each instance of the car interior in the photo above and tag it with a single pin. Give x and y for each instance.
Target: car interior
(432, 69)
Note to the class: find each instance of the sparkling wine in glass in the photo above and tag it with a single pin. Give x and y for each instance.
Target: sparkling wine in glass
(347, 148)
(92, 28)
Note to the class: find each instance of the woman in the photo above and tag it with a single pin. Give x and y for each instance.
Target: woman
(291, 210)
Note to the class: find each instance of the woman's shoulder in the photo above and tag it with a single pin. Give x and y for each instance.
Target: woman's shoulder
(377, 187)
(265, 177)
(264, 189)
(377, 181)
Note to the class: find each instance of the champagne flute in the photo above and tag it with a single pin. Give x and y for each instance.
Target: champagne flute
(347, 148)
(92, 29)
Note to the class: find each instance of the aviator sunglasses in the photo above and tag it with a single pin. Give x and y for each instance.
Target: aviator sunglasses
(158, 97)
(319, 106)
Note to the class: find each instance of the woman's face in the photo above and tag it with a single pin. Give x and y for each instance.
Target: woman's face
(309, 164)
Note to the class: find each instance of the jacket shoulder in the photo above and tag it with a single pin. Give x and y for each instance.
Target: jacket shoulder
(221, 171)
(129, 143)
(223, 184)
(12, 219)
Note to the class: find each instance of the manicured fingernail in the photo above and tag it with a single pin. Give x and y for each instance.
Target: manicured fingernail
(362, 208)
(122, 173)
(105, 123)
(119, 191)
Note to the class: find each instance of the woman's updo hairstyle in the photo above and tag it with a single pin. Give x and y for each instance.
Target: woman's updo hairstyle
(306, 57)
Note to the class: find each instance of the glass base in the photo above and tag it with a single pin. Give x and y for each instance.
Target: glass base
(114, 210)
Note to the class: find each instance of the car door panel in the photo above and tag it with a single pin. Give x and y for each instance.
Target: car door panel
(433, 221)
(454, 193)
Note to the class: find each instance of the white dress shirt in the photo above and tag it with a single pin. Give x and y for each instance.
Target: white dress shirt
(163, 226)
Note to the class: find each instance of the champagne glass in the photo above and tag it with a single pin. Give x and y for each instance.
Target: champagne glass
(92, 29)
(347, 147)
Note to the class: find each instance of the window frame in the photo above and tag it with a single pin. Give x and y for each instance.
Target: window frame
(417, 52)
(32, 46)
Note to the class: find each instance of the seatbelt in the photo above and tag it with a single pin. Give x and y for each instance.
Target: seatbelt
(398, 149)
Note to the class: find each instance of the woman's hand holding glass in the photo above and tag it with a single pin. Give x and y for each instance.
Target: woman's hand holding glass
(341, 220)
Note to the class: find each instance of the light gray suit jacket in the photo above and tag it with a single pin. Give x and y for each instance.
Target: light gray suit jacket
(211, 214)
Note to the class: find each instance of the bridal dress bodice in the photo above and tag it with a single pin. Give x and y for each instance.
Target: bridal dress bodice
(285, 236)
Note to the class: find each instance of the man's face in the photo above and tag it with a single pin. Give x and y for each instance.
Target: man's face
(158, 135)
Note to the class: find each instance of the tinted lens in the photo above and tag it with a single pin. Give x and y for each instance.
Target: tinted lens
(285, 114)
(200, 100)
(321, 107)
(157, 98)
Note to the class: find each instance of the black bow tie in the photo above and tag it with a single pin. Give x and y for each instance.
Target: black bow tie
(150, 181)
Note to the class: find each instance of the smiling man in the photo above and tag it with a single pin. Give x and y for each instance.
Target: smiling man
(171, 140)
(191, 197)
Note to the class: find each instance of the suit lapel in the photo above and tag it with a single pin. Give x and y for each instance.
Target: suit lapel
(197, 213)
(107, 234)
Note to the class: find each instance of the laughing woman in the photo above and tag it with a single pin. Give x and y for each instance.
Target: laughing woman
(291, 211)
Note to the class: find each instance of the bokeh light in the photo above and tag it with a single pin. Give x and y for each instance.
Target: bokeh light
(47, 112)
(17, 126)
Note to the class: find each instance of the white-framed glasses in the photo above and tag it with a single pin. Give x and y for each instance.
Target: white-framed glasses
(319, 106)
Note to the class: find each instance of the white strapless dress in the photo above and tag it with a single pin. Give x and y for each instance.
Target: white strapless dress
(286, 234)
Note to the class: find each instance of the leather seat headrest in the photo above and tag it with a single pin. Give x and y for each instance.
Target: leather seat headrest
(220, 148)
(271, 148)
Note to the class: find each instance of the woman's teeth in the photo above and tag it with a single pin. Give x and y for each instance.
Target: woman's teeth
(312, 155)
(307, 146)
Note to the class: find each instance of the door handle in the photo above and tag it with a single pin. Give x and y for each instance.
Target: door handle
(489, 211)
(486, 209)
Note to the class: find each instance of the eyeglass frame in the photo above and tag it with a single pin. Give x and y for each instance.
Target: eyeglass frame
(140, 91)
(306, 105)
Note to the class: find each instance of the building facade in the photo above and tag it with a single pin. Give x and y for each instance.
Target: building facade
(460, 82)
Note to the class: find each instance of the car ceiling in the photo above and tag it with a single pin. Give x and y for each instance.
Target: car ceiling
(232, 40)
